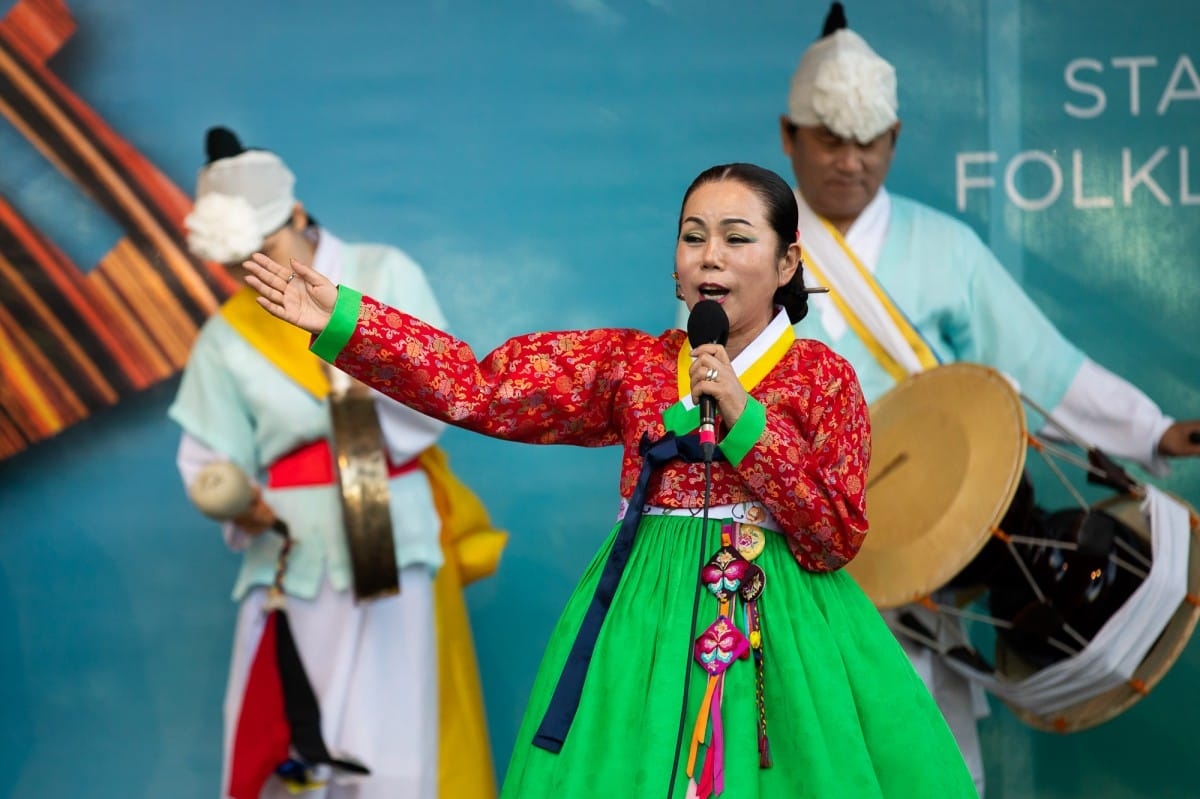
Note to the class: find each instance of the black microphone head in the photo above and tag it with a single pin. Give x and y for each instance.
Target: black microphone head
(707, 324)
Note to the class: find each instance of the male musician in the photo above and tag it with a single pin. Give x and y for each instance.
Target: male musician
(912, 287)
(252, 394)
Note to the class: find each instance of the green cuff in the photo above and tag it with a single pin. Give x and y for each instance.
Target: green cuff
(341, 326)
(680, 420)
(745, 434)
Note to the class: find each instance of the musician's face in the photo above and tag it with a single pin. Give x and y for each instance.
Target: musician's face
(837, 177)
(284, 243)
(728, 252)
(290, 241)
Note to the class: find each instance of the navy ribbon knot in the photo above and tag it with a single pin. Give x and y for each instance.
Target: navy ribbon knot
(556, 723)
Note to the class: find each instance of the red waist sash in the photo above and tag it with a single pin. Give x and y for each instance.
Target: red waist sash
(312, 465)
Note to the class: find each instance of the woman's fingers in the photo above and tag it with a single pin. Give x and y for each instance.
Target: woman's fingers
(307, 273)
(261, 275)
(264, 273)
(267, 270)
(265, 292)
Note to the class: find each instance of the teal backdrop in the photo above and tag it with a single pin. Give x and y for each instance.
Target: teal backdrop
(531, 156)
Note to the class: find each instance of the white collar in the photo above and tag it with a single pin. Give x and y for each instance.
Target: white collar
(868, 231)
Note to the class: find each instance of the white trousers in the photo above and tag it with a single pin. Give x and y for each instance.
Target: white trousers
(961, 701)
(373, 668)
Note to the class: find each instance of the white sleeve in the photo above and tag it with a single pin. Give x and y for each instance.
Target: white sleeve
(405, 431)
(1113, 415)
(191, 458)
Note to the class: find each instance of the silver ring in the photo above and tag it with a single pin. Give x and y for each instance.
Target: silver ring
(289, 278)
(711, 375)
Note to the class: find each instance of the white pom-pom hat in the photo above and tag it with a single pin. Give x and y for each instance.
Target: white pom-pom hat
(241, 197)
(843, 84)
(223, 228)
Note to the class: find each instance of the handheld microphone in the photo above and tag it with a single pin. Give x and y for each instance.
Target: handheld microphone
(708, 324)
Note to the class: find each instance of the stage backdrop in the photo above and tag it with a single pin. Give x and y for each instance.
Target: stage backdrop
(532, 157)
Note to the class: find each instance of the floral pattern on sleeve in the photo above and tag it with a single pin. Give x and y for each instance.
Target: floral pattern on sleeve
(611, 386)
(810, 465)
(542, 388)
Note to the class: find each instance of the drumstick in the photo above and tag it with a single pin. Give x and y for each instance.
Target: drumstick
(223, 492)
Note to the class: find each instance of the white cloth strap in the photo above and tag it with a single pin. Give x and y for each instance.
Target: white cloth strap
(845, 278)
(738, 511)
(1114, 654)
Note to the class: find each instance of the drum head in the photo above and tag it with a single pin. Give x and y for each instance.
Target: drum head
(948, 448)
(1154, 666)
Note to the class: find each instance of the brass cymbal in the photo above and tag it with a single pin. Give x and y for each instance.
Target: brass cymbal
(948, 449)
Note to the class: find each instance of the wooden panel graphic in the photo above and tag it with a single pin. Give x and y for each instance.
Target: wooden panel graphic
(72, 341)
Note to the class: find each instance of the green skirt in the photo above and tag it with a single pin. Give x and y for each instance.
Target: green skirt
(846, 715)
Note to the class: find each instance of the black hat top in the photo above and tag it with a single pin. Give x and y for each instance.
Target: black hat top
(221, 142)
(835, 20)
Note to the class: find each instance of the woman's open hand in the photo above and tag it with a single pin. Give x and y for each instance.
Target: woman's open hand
(299, 294)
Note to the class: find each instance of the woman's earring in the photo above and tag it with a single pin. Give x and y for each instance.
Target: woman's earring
(678, 292)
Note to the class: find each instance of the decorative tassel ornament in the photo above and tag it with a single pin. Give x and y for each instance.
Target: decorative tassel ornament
(730, 577)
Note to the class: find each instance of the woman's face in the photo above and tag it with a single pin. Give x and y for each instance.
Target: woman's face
(727, 252)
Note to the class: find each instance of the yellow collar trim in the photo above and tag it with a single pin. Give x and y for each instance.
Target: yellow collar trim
(752, 365)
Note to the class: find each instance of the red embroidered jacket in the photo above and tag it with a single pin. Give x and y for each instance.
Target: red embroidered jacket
(609, 386)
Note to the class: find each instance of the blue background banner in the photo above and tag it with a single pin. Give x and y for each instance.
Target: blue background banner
(532, 158)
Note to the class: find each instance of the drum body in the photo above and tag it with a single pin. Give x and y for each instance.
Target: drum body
(954, 519)
(1017, 660)
(1077, 570)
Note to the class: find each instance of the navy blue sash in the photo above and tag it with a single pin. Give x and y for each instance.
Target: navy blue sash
(557, 722)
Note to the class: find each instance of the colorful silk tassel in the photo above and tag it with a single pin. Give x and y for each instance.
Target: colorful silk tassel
(729, 576)
(751, 589)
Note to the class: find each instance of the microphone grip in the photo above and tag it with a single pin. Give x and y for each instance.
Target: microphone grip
(708, 427)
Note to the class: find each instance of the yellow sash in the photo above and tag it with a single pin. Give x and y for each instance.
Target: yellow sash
(472, 548)
(285, 346)
(924, 354)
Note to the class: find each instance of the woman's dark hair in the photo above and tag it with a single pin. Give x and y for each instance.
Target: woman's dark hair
(782, 216)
